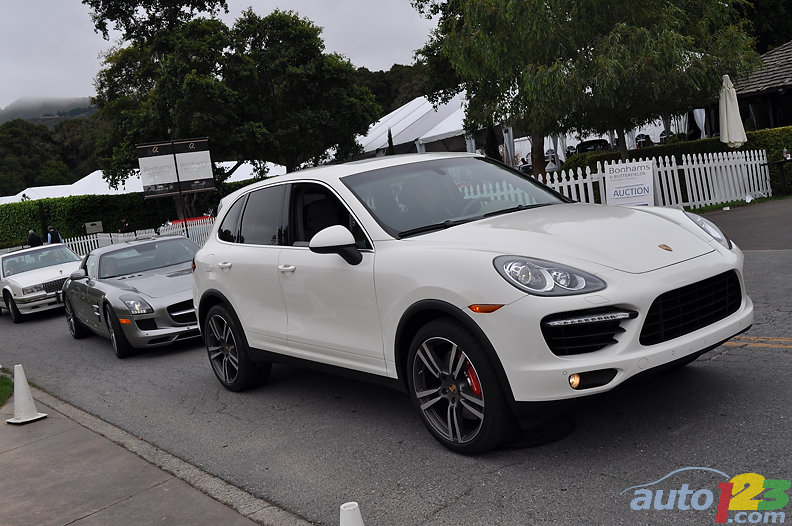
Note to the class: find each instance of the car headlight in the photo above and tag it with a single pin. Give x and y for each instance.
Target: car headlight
(136, 304)
(33, 289)
(545, 278)
(710, 228)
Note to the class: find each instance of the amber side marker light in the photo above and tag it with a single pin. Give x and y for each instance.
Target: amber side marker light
(124, 321)
(484, 308)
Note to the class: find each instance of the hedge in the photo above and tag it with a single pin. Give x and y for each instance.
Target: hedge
(69, 214)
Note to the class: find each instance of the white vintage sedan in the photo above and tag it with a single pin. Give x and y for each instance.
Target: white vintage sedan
(32, 278)
(485, 295)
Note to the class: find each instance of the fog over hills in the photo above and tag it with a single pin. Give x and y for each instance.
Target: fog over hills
(47, 111)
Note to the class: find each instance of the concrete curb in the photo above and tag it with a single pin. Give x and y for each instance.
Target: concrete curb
(256, 509)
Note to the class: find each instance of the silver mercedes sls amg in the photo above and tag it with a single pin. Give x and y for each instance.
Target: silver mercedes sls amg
(138, 294)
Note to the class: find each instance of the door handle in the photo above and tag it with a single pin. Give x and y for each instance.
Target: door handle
(224, 266)
(287, 268)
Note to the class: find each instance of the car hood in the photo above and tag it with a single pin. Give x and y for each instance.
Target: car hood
(157, 283)
(43, 275)
(627, 239)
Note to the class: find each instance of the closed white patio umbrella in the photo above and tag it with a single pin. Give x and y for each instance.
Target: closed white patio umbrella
(732, 131)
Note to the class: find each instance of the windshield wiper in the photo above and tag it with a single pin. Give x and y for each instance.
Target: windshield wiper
(435, 226)
(514, 209)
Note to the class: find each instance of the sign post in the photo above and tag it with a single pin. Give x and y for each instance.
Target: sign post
(630, 184)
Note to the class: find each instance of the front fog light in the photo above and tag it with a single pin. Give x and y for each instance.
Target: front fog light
(574, 380)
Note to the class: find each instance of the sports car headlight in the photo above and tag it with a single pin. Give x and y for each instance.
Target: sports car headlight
(33, 289)
(545, 278)
(136, 304)
(710, 228)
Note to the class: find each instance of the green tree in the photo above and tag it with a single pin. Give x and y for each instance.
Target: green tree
(262, 90)
(769, 22)
(30, 156)
(295, 100)
(141, 20)
(583, 65)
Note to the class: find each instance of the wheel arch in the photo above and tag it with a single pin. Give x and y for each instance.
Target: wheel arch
(209, 299)
(421, 313)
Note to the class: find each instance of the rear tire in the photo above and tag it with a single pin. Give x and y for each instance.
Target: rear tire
(16, 316)
(456, 388)
(228, 350)
(121, 346)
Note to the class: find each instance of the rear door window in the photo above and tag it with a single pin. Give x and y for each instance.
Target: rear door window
(262, 220)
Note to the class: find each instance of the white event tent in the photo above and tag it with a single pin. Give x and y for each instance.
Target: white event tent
(94, 184)
(418, 127)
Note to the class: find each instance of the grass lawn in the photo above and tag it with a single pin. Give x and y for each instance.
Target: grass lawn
(6, 388)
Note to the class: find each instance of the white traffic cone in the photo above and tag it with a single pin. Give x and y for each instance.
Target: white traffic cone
(24, 407)
(350, 514)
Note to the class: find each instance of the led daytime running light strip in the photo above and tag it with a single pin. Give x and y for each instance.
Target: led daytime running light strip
(597, 318)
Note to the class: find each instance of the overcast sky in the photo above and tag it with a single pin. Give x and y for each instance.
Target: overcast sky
(48, 48)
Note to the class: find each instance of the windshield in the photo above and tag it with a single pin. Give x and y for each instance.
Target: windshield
(413, 198)
(146, 256)
(46, 256)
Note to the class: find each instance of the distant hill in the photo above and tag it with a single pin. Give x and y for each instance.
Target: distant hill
(49, 111)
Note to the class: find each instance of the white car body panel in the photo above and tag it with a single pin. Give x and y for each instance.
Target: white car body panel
(333, 315)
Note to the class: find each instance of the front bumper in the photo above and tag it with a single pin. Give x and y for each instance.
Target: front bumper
(38, 302)
(535, 374)
(160, 328)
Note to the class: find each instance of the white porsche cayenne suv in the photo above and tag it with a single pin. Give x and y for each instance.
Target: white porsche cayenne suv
(482, 293)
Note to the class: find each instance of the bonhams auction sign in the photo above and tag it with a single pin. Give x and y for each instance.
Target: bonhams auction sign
(629, 184)
(173, 167)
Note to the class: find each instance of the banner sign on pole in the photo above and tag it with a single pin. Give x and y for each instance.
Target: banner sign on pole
(194, 165)
(630, 184)
(173, 167)
(158, 168)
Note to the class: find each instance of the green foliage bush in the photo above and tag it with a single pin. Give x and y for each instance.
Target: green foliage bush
(69, 214)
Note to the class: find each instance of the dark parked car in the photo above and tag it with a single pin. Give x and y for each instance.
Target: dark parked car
(593, 145)
(138, 294)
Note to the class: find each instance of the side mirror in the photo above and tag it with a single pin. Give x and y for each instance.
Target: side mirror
(78, 274)
(336, 239)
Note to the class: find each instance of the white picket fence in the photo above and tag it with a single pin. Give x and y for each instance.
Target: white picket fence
(700, 180)
(197, 230)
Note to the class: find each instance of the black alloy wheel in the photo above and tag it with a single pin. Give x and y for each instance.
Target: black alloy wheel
(76, 328)
(121, 346)
(228, 352)
(456, 389)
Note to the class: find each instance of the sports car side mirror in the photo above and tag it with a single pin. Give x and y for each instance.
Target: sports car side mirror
(78, 274)
(336, 239)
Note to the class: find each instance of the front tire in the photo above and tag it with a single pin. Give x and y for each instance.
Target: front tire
(228, 349)
(16, 316)
(456, 389)
(121, 346)
(76, 328)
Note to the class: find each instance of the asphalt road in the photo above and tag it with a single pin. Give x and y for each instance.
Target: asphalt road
(310, 441)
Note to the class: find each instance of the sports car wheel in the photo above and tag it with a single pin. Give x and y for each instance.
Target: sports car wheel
(456, 389)
(228, 352)
(76, 328)
(16, 316)
(121, 346)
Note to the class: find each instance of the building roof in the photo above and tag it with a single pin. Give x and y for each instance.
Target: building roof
(776, 73)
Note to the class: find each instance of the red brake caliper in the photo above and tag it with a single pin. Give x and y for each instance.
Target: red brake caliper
(475, 385)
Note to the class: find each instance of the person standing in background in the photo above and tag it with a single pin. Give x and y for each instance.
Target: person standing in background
(34, 240)
(53, 236)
